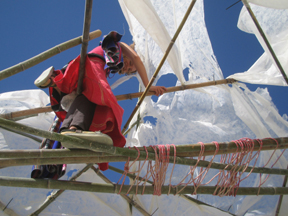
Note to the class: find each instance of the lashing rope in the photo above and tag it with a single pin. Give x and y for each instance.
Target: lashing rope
(228, 180)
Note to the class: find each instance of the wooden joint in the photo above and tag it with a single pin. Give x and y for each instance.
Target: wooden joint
(59, 49)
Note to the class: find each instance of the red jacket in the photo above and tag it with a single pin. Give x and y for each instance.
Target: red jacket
(108, 113)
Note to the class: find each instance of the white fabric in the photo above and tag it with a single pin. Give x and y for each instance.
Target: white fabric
(27, 200)
(154, 27)
(16, 100)
(152, 37)
(216, 113)
(277, 4)
(275, 27)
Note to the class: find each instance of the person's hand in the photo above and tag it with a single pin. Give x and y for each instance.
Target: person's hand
(159, 90)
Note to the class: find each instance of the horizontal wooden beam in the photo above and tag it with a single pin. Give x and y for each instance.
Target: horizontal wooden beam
(98, 147)
(33, 112)
(114, 189)
(189, 150)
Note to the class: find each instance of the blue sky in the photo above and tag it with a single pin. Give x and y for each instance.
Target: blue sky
(31, 27)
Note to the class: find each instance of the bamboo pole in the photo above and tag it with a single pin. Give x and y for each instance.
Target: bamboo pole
(265, 40)
(189, 150)
(130, 128)
(160, 64)
(176, 88)
(114, 189)
(151, 156)
(127, 198)
(95, 146)
(281, 197)
(66, 160)
(85, 39)
(193, 150)
(49, 153)
(45, 55)
(32, 112)
(52, 197)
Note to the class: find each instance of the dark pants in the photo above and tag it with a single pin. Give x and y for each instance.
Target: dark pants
(80, 114)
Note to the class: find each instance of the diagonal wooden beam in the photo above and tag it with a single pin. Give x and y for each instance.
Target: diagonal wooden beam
(45, 55)
(160, 64)
(114, 189)
(245, 2)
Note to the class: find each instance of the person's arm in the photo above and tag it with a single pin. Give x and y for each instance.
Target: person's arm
(133, 56)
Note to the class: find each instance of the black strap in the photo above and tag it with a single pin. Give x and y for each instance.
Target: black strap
(89, 55)
(96, 55)
(58, 97)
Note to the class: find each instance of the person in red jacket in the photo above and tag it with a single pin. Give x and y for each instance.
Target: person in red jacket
(96, 109)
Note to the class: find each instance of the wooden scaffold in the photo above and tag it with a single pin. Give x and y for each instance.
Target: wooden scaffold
(87, 152)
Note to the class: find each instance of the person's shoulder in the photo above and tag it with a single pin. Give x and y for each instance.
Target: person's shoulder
(97, 50)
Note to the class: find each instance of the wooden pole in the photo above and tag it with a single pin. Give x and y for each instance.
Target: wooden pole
(85, 39)
(151, 156)
(281, 197)
(52, 197)
(66, 160)
(98, 147)
(49, 153)
(193, 150)
(189, 150)
(176, 88)
(32, 112)
(45, 55)
(114, 189)
(160, 64)
(265, 40)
